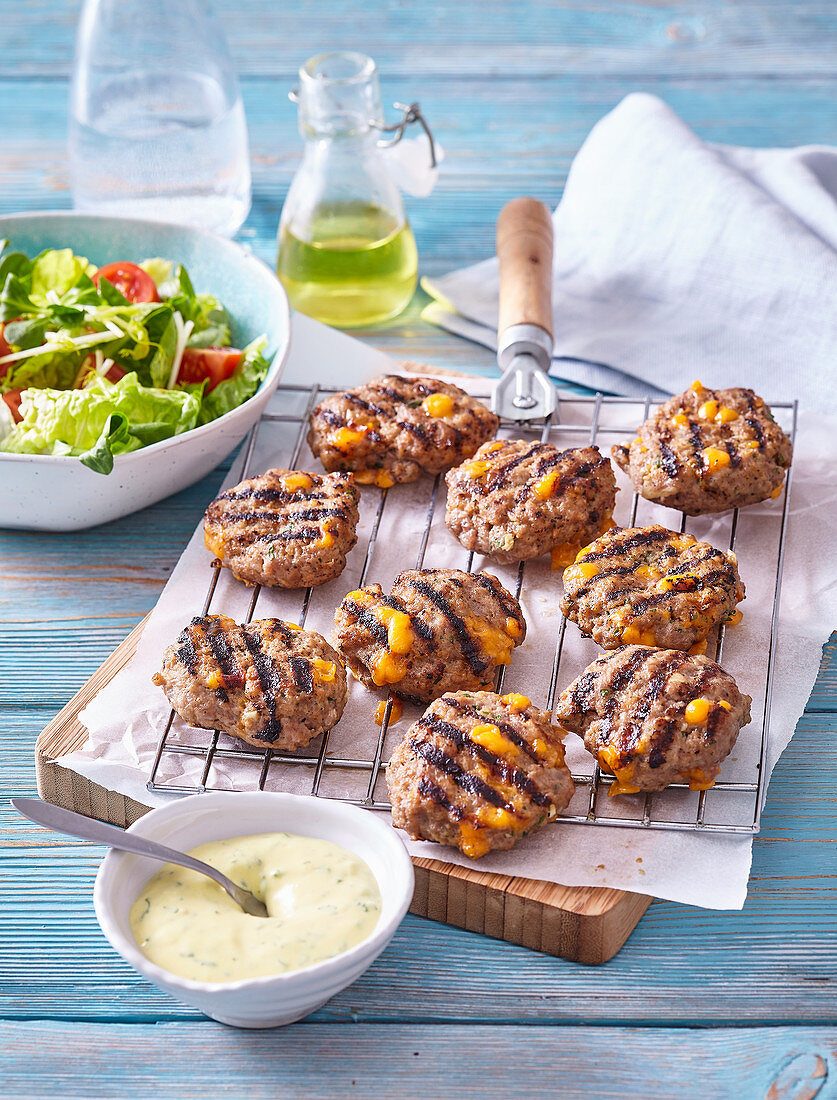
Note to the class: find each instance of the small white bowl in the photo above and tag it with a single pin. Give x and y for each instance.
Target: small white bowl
(199, 819)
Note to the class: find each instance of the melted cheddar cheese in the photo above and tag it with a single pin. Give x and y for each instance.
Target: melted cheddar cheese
(495, 817)
(608, 758)
(545, 487)
(516, 703)
(326, 539)
(325, 671)
(387, 669)
(346, 438)
(437, 404)
(632, 635)
(214, 544)
(400, 634)
(476, 468)
(395, 712)
(715, 459)
(513, 627)
(296, 481)
(699, 780)
(562, 556)
(584, 571)
(473, 843)
(494, 642)
(492, 739)
(646, 572)
(374, 477)
(697, 711)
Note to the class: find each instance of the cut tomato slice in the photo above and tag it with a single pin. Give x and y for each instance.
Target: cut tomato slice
(12, 399)
(115, 373)
(212, 364)
(130, 280)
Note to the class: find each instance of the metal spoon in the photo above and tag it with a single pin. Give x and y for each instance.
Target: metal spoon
(65, 821)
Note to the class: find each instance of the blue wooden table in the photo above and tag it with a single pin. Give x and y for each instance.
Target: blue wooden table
(697, 1003)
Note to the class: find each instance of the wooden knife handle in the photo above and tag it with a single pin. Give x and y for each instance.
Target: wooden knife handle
(524, 249)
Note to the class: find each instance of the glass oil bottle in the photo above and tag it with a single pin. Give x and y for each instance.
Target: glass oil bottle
(347, 255)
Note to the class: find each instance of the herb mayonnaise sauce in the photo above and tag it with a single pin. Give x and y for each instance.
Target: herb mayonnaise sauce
(321, 900)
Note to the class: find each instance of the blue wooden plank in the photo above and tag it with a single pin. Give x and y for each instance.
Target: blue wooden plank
(708, 37)
(196, 1060)
(501, 139)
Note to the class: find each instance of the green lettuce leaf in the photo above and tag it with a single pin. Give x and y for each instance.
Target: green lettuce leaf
(58, 270)
(114, 438)
(102, 420)
(230, 393)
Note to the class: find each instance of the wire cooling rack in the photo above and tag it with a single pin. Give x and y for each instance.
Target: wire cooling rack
(731, 806)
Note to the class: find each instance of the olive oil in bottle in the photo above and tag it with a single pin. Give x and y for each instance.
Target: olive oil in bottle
(347, 255)
(357, 266)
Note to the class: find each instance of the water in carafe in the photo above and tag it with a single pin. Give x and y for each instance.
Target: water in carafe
(163, 141)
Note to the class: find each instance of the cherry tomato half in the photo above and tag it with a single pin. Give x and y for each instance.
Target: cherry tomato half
(214, 364)
(12, 399)
(130, 280)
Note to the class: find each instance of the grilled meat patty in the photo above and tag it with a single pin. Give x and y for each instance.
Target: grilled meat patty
(268, 682)
(478, 772)
(650, 585)
(517, 500)
(394, 429)
(707, 451)
(439, 630)
(652, 717)
(284, 528)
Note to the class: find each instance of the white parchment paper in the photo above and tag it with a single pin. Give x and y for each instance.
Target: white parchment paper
(126, 719)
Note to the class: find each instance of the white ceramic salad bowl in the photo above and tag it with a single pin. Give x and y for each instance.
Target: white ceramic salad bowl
(199, 819)
(58, 493)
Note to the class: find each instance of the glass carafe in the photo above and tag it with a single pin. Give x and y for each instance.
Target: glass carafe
(157, 126)
(347, 255)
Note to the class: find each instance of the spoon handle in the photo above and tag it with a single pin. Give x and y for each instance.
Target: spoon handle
(87, 828)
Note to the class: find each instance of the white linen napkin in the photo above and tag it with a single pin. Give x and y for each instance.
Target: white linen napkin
(676, 260)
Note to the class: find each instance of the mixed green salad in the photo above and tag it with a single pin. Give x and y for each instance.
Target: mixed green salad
(95, 362)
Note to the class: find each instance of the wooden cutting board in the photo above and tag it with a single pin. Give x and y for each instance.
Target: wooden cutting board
(586, 924)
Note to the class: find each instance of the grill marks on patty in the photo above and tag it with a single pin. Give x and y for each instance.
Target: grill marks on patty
(469, 648)
(270, 681)
(438, 630)
(641, 537)
(446, 785)
(652, 585)
(510, 775)
(261, 681)
(707, 451)
(284, 527)
(230, 645)
(653, 717)
(517, 500)
(384, 428)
